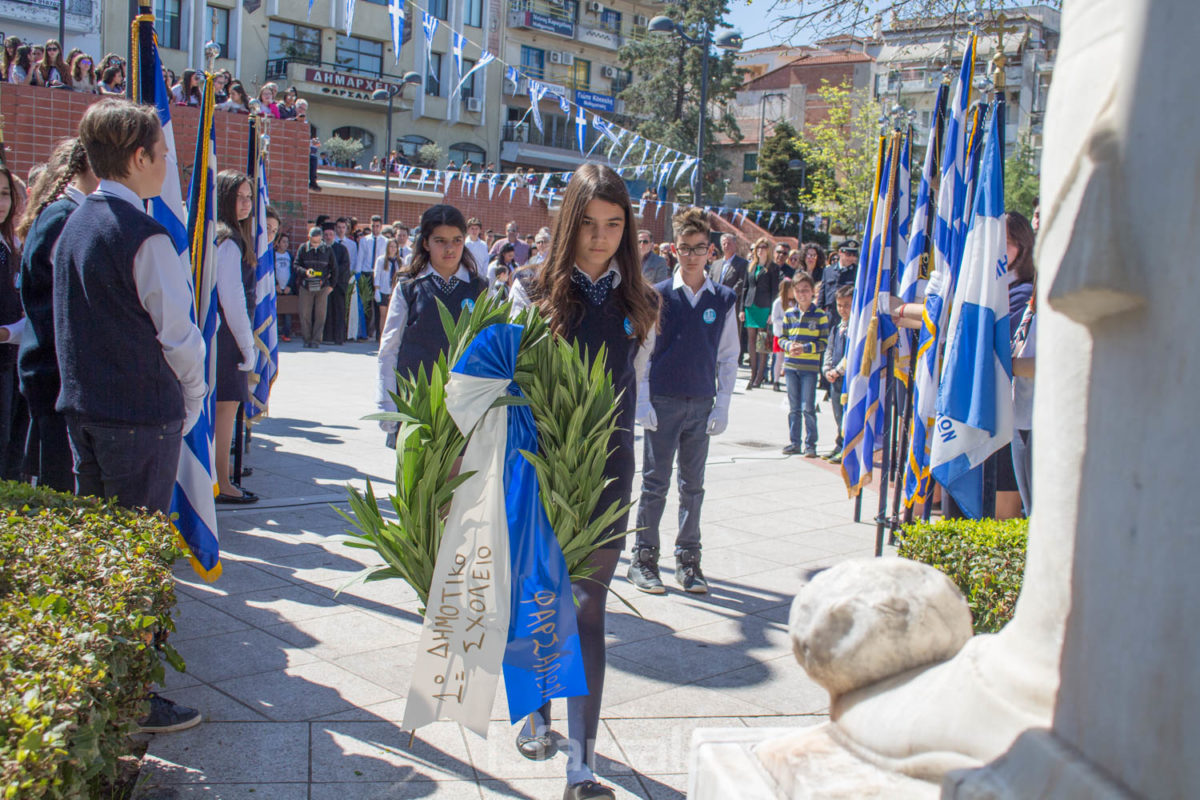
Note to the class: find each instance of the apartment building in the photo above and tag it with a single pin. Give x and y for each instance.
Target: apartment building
(293, 45)
(570, 46)
(35, 21)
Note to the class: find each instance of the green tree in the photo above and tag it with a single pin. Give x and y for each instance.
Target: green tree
(1021, 180)
(662, 103)
(342, 151)
(776, 184)
(840, 152)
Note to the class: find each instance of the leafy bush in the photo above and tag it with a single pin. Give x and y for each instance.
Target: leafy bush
(985, 559)
(84, 588)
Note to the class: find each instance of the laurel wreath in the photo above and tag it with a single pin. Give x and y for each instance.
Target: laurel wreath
(574, 407)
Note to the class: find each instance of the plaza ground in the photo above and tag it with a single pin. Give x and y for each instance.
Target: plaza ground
(303, 688)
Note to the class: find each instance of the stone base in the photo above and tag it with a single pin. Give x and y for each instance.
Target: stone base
(785, 764)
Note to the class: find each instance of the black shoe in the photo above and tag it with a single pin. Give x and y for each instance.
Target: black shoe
(791, 450)
(589, 790)
(244, 499)
(778, 388)
(687, 572)
(835, 453)
(168, 717)
(643, 572)
(810, 452)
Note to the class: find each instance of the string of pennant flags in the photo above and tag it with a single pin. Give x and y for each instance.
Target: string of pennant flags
(660, 165)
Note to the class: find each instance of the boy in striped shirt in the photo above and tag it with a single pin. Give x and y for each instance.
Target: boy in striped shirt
(805, 333)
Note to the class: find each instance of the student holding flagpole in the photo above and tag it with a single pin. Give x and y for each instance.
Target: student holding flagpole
(591, 291)
(236, 272)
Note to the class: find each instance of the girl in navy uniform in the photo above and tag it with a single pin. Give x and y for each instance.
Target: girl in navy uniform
(441, 269)
(590, 289)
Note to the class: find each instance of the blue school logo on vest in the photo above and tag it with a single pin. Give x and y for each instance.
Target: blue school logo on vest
(468, 304)
(628, 327)
(710, 315)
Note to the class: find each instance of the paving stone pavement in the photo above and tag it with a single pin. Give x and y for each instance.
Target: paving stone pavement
(303, 688)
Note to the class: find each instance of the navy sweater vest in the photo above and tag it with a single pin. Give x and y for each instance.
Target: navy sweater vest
(38, 364)
(684, 362)
(424, 338)
(110, 361)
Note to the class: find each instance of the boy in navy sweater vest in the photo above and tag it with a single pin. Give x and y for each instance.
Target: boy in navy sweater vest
(692, 366)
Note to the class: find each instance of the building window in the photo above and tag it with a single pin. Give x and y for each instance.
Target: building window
(533, 62)
(361, 134)
(581, 74)
(408, 146)
(463, 152)
(439, 9)
(749, 167)
(433, 75)
(468, 88)
(359, 55)
(289, 42)
(166, 23)
(473, 13)
(610, 20)
(221, 35)
(621, 81)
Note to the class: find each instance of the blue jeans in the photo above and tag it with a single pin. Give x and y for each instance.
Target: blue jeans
(802, 408)
(682, 428)
(133, 464)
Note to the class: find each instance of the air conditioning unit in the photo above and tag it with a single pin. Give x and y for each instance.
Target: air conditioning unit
(474, 104)
(609, 72)
(558, 3)
(567, 58)
(639, 21)
(555, 57)
(594, 7)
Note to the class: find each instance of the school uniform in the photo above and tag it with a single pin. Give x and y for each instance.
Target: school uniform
(688, 385)
(413, 336)
(235, 335)
(130, 359)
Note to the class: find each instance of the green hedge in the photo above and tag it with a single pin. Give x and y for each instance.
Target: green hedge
(985, 559)
(84, 587)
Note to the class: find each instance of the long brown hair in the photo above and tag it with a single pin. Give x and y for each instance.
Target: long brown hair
(759, 242)
(1020, 233)
(44, 66)
(77, 65)
(786, 299)
(68, 160)
(228, 226)
(6, 60)
(433, 218)
(16, 196)
(558, 303)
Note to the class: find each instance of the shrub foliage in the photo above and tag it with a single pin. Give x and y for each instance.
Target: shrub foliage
(84, 589)
(985, 559)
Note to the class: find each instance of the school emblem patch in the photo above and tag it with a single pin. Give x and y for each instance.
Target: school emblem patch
(628, 327)
(710, 315)
(468, 304)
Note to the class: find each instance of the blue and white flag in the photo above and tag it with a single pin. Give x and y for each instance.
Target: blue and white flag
(899, 253)
(974, 406)
(195, 485)
(870, 334)
(485, 58)
(456, 50)
(501, 595)
(266, 335)
(564, 105)
(430, 23)
(396, 12)
(951, 203)
(537, 91)
(349, 15)
(514, 77)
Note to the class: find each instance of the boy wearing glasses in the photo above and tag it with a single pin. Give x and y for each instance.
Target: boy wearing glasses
(684, 390)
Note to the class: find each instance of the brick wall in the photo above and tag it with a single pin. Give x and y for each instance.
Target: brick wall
(36, 119)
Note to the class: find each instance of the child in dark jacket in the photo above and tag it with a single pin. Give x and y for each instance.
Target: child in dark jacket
(834, 365)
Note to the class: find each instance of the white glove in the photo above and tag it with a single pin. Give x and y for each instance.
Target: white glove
(389, 425)
(191, 412)
(718, 420)
(646, 416)
(937, 281)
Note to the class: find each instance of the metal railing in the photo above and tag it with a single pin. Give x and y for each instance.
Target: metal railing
(559, 136)
(278, 67)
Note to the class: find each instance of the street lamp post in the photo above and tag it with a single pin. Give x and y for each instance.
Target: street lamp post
(410, 78)
(726, 40)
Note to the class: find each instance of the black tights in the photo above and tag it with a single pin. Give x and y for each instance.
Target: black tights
(583, 713)
(758, 361)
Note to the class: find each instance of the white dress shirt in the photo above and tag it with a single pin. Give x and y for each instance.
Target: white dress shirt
(370, 248)
(232, 295)
(164, 290)
(383, 276)
(351, 248)
(392, 339)
(520, 299)
(479, 252)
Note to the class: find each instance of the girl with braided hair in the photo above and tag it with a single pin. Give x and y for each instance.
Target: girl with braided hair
(55, 195)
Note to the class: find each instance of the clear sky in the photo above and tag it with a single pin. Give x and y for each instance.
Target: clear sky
(759, 24)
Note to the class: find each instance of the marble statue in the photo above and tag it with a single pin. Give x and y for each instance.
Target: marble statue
(1092, 690)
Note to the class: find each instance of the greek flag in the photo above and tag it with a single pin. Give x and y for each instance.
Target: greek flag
(871, 333)
(266, 335)
(396, 12)
(581, 127)
(349, 15)
(501, 594)
(485, 58)
(430, 23)
(194, 515)
(974, 407)
(456, 48)
(900, 251)
(951, 201)
(536, 92)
